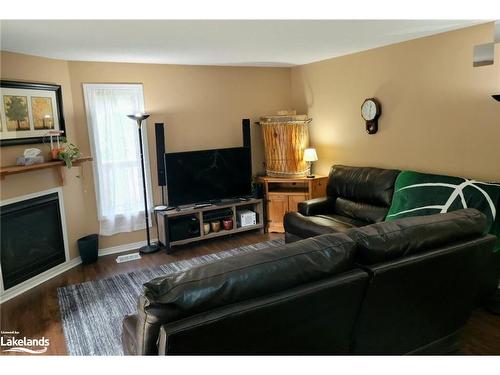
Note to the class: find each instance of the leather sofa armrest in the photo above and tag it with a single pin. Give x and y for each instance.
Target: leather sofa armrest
(317, 206)
(129, 334)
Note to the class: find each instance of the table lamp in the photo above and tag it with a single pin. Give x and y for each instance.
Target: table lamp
(310, 156)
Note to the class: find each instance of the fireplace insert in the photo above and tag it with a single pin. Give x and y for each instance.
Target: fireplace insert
(31, 238)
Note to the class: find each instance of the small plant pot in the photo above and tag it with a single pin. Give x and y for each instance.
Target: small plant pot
(54, 153)
(215, 225)
(206, 228)
(227, 224)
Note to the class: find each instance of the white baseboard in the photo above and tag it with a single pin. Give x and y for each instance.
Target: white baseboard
(123, 248)
(57, 270)
(38, 279)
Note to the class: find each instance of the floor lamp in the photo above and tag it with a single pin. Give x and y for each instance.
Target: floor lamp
(494, 302)
(149, 248)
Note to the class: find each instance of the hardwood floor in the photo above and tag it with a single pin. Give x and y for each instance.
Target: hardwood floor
(36, 313)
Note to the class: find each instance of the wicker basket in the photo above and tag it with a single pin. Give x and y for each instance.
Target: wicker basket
(285, 138)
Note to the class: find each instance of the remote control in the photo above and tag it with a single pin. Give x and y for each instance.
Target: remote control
(202, 205)
(164, 208)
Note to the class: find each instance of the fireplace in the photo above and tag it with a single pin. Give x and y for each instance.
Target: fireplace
(32, 238)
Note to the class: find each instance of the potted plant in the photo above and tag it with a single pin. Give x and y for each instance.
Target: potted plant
(68, 153)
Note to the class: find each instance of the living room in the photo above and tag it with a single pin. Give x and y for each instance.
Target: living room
(250, 186)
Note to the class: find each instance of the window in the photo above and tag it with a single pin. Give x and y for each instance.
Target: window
(114, 141)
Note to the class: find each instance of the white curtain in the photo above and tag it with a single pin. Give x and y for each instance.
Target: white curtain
(114, 140)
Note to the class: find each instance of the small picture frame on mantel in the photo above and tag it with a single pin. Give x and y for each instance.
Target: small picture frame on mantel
(28, 111)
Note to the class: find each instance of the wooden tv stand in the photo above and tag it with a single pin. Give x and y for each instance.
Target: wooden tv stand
(163, 217)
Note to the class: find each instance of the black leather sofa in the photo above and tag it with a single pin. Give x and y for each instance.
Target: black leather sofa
(355, 197)
(405, 286)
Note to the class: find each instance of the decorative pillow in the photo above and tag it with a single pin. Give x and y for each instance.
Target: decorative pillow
(417, 194)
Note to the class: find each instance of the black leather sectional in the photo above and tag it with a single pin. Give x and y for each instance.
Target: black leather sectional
(355, 197)
(405, 286)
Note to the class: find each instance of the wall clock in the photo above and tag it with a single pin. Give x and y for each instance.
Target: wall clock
(370, 111)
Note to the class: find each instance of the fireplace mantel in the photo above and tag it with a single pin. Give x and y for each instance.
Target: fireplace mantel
(58, 164)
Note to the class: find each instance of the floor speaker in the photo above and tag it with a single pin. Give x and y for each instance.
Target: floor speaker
(160, 153)
(245, 124)
(247, 141)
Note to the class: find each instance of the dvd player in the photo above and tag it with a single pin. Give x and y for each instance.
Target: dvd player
(218, 214)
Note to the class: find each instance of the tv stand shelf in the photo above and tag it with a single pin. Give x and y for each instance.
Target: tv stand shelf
(163, 217)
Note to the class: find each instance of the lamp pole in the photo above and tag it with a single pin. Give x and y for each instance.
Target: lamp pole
(493, 302)
(149, 248)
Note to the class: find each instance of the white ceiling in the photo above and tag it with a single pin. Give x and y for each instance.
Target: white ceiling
(211, 42)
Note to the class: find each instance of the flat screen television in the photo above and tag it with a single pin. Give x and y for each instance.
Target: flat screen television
(208, 175)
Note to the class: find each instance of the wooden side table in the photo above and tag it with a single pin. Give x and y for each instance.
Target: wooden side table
(283, 195)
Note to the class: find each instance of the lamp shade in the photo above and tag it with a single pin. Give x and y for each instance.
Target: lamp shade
(310, 154)
(139, 116)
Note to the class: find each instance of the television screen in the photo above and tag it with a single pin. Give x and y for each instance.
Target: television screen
(208, 175)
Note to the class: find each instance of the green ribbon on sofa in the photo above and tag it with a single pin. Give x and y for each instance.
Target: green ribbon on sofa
(417, 194)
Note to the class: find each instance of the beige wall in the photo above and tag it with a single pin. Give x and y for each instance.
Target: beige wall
(438, 115)
(78, 216)
(437, 111)
(201, 106)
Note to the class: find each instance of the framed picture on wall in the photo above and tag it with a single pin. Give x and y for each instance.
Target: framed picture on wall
(28, 111)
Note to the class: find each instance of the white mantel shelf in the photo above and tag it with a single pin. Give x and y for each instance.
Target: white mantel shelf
(58, 164)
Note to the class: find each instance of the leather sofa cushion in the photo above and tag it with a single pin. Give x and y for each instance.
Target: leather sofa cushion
(360, 211)
(374, 186)
(317, 206)
(389, 240)
(310, 226)
(250, 275)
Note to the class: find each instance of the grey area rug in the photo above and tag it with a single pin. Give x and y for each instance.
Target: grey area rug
(92, 312)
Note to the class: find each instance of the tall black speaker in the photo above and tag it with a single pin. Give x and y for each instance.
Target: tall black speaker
(247, 140)
(160, 153)
(245, 124)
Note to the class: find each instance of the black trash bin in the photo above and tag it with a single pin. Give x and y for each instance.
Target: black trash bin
(88, 247)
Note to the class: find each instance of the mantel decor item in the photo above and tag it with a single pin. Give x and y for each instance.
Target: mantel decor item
(285, 138)
(28, 111)
(55, 143)
(149, 248)
(69, 153)
(310, 156)
(30, 156)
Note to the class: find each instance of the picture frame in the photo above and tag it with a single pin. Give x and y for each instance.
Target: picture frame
(28, 111)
